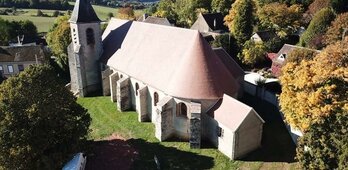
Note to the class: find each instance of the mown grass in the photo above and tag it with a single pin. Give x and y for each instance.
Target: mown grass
(44, 23)
(106, 120)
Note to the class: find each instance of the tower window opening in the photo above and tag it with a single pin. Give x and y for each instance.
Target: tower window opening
(90, 36)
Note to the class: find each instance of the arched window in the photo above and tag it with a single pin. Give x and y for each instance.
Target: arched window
(90, 36)
(121, 76)
(136, 89)
(155, 99)
(181, 109)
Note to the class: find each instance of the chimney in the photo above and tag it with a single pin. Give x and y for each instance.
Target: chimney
(214, 24)
(145, 16)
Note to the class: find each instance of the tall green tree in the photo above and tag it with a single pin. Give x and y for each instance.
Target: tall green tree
(58, 39)
(240, 20)
(313, 36)
(221, 6)
(41, 125)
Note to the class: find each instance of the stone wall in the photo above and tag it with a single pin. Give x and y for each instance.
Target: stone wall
(113, 78)
(164, 121)
(141, 104)
(106, 81)
(195, 125)
(123, 94)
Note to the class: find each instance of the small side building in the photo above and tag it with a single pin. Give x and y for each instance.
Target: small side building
(210, 25)
(232, 122)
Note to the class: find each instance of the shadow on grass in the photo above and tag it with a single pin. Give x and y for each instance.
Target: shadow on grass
(110, 155)
(169, 157)
(277, 145)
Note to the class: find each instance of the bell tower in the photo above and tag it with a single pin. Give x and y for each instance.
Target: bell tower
(85, 49)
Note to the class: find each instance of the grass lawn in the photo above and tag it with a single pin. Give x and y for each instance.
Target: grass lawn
(43, 24)
(177, 155)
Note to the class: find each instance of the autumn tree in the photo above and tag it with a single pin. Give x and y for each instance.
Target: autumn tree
(315, 7)
(187, 10)
(221, 6)
(278, 16)
(126, 13)
(166, 9)
(301, 54)
(313, 36)
(240, 20)
(41, 125)
(336, 30)
(308, 91)
(252, 53)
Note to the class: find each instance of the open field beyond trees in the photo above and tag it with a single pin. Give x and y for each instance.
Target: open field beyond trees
(44, 23)
(277, 151)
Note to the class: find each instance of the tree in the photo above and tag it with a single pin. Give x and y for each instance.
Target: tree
(340, 6)
(58, 39)
(227, 42)
(41, 125)
(110, 15)
(4, 32)
(252, 53)
(309, 89)
(312, 37)
(39, 13)
(221, 6)
(300, 54)
(165, 9)
(126, 13)
(315, 7)
(277, 16)
(187, 10)
(324, 145)
(336, 30)
(240, 20)
(56, 13)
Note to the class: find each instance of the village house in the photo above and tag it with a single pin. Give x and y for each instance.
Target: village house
(154, 20)
(170, 76)
(263, 36)
(210, 25)
(15, 59)
(279, 60)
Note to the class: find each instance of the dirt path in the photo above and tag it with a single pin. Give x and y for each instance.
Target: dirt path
(111, 153)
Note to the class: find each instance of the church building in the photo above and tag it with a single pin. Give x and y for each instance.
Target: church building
(170, 76)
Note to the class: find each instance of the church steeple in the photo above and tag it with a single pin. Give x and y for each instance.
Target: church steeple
(83, 13)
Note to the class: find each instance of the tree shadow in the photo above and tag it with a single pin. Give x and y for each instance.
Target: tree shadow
(110, 155)
(277, 145)
(168, 157)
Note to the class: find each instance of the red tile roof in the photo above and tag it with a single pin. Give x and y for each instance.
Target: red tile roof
(177, 61)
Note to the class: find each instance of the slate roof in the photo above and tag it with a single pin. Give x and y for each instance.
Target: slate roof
(156, 20)
(174, 60)
(218, 18)
(22, 53)
(210, 23)
(83, 13)
(266, 35)
(232, 112)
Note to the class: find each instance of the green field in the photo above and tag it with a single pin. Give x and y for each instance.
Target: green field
(43, 24)
(106, 120)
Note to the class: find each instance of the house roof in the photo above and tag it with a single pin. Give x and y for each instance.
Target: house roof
(156, 20)
(215, 21)
(83, 12)
(286, 49)
(177, 61)
(22, 53)
(266, 35)
(231, 64)
(232, 112)
(210, 23)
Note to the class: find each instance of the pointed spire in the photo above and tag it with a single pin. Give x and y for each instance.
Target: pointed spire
(83, 12)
